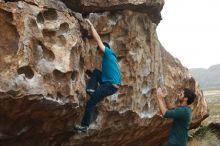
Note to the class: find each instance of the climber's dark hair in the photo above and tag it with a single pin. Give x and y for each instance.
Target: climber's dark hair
(106, 44)
(188, 93)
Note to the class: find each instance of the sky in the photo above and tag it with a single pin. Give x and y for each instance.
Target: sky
(190, 31)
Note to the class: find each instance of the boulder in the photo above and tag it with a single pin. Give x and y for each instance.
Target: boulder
(46, 50)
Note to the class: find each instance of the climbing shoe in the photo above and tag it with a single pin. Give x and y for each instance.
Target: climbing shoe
(81, 129)
(90, 91)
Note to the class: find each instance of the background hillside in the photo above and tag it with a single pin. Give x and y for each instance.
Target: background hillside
(207, 78)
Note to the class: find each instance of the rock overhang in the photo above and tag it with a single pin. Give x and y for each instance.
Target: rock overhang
(151, 7)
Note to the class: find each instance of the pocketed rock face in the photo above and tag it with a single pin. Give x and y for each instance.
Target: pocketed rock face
(45, 50)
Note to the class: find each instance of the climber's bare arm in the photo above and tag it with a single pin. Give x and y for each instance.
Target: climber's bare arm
(96, 36)
(160, 98)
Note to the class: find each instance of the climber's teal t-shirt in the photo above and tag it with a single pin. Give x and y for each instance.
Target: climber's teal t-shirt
(110, 69)
(181, 120)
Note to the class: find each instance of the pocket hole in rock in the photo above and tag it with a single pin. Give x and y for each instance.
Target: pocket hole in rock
(27, 71)
(88, 72)
(40, 18)
(81, 62)
(74, 75)
(64, 28)
(58, 74)
(49, 35)
(50, 14)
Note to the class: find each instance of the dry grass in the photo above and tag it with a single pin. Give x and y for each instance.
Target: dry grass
(213, 100)
(204, 136)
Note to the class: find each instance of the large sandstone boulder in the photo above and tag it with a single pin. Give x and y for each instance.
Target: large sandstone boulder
(45, 50)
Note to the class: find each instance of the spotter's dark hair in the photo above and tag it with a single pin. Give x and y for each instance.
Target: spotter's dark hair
(188, 93)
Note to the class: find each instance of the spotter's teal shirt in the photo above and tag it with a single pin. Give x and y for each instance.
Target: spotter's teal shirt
(182, 117)
(110, 69)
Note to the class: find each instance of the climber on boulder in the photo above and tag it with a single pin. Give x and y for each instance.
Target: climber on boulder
(181, 115)
(102, 83)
